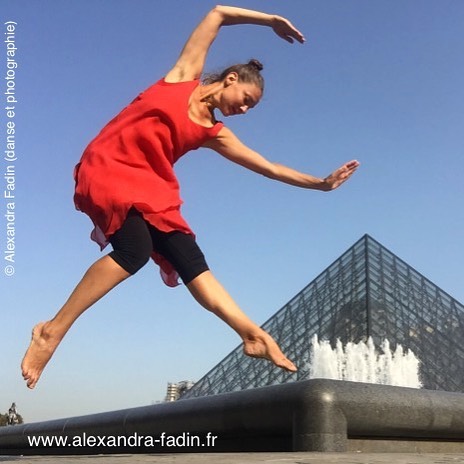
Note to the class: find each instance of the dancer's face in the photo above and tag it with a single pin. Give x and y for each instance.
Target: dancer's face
(238, 97)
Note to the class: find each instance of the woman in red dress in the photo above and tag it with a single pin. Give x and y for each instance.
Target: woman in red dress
(126, 184)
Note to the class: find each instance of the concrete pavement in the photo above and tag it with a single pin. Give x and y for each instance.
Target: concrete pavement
(246, 458)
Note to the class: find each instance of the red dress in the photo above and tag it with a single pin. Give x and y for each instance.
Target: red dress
(130, 164)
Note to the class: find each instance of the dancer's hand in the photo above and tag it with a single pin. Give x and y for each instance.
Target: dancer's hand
(340, 176)
(286, 30)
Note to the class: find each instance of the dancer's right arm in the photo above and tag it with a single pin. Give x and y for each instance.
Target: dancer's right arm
(193, 56)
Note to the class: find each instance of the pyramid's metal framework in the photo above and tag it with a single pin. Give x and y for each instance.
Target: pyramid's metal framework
(368, 291)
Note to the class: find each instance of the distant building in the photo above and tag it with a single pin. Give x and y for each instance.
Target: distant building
(175, 390)
(366, 292)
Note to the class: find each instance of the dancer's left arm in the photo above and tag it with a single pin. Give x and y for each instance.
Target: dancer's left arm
(229, 146)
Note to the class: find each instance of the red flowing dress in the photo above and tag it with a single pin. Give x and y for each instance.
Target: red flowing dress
(131, 164)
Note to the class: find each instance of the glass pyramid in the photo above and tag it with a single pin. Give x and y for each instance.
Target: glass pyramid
(366, 292)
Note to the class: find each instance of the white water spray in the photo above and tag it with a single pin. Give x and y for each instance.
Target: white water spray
(361, 362)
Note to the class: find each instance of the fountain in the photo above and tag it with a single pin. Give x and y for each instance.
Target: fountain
(362, 362)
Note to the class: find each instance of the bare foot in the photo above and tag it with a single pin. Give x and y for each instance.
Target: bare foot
(41, 349)
(262, 345)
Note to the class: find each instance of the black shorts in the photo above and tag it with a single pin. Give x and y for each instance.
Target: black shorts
(135, 241)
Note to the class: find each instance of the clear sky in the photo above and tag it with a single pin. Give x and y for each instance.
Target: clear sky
(377, 80)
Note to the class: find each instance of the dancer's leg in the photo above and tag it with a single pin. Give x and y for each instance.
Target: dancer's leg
(99, 279)
(132, 247)
(256, 342)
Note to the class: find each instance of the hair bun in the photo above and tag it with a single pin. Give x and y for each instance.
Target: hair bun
(256, 64)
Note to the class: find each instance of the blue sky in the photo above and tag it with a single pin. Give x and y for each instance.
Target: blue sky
(379, 81)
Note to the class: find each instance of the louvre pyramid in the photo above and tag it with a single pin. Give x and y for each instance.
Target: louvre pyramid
(368, 291)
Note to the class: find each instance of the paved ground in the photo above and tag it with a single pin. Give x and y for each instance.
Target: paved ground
(246, 458)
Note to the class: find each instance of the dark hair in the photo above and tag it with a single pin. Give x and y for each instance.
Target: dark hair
(249, 73)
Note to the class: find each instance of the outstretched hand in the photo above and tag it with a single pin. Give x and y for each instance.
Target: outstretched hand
(341, 175)
(286, 30)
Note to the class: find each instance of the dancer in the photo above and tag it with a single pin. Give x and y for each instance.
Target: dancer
(126, 184)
